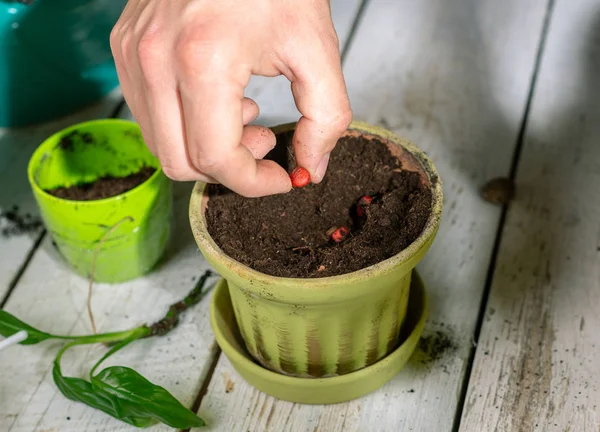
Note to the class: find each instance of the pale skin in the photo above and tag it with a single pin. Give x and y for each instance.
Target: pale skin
(183, 66)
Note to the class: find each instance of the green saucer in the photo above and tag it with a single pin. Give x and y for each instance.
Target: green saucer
(316, 390)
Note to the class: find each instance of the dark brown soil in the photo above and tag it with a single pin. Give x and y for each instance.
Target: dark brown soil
(287, 235)
(104, 187)
(436, 345)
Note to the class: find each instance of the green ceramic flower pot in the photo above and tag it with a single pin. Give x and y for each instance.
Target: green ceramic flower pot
(324, 327)
(142, 215)
(330, 390)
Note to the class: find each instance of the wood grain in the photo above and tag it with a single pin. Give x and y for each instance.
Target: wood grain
(453, 77)
(536, 366)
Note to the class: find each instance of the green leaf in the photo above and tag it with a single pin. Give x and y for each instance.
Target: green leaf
(140, 398)
(9, 325)
(123, 393)
(80, 390)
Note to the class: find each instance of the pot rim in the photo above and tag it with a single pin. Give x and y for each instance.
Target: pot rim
(208, 246)
(37, 158)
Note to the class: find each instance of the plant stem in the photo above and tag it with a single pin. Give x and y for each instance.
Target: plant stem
(118, 346)
(136, 333)
(93, 269)
(170, 320)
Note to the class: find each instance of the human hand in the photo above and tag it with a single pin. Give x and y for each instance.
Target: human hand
(183, 66)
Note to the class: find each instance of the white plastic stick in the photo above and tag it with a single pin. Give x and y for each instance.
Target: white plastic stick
(19, 336)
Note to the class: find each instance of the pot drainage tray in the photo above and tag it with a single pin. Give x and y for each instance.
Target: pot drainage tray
(329, 390)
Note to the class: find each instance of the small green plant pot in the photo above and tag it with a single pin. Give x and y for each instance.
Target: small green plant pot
(331, 326)
(127, 233)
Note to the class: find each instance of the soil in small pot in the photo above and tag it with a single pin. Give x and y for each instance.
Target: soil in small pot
(290, 235)
(104, 187)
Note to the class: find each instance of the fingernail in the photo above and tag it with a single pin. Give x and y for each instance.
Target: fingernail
(322, 168)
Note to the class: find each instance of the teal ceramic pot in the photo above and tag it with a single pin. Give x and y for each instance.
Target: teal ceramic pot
(55, 57)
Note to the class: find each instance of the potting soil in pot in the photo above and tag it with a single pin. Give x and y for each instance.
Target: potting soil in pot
(104, 187)
(290, 235)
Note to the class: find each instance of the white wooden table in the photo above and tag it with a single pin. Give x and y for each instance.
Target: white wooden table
(488, 88)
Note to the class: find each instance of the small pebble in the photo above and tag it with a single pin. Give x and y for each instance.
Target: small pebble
(499, 190)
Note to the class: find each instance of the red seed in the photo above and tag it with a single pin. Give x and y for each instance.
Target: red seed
(330, 231)
(365, 200)
(300, 177)
(339, 234)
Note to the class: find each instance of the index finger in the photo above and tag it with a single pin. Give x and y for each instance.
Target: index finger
(322, 99)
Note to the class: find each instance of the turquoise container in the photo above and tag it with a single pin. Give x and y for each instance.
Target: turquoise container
(55, 57)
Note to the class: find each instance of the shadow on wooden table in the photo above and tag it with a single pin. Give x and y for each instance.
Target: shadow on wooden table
(542, 316)
(181, 236)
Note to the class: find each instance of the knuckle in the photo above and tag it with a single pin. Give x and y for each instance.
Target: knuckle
(148, 49)
(207, 165)
(115, 36)
(192, 53)
(341, 122)
(126, 47)
(172, 172)
(330, 43)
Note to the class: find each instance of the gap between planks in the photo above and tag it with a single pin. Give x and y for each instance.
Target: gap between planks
(21, 270)
(536, 365)
(216, 354)
(502, 223)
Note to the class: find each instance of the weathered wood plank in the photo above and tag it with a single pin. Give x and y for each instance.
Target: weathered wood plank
(179, 362)
(536, 366)
(16, 147)
(453, 77)
(51, 297)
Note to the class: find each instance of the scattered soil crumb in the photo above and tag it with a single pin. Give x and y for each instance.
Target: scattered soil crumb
(500, 191)
(229, 385)
(67, 142)
(14, 223)
(436, 345)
